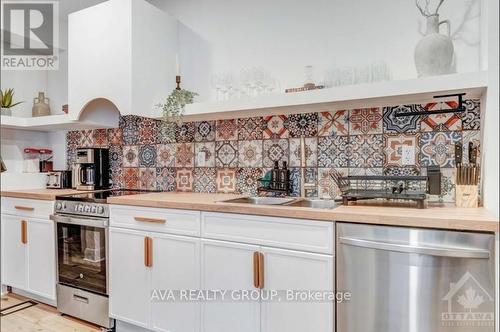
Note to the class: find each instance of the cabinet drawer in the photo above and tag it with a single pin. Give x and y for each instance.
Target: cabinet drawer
(156, 220)
(27, 207)
(298, 234)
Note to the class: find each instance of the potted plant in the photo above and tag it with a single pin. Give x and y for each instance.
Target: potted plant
(173, 110)
(6, 98)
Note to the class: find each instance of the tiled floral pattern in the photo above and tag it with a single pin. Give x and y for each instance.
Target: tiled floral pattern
(226, 180)
(226, 154)
(232, 155)
(147, 155)
(204, 131)
(275, 126)
(250, 153)
(185, 132)
(366, 151)
(147, 178)
(438, 148)
(205, 180)
(184, 155)
(165, 178)
(333, 151)
(247, 180)
(184, 179)
(407, 124)
(365, 121)
(393, 148)
(471, 118)
(226, 130)
(130, 156)
(205, 151)
(305, 124)
(334, 123)
(443, 121)
(275, 150)
(148, 131)
(311, 153)
(165, 155)
(250, 128)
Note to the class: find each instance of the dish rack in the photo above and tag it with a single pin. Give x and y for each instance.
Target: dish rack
(413, 188)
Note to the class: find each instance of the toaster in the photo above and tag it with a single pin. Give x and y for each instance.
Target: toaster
(58, 180)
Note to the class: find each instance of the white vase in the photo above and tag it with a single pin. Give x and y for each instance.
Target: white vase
(6, 111)
(434, 52)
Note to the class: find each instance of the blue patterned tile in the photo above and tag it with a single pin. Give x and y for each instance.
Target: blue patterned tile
(147, 156)
(438, 148)
(407, 124)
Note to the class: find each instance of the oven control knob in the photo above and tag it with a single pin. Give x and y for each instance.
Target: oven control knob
(100, 210)
(93, 209)
(80, 207)
(58, 206)
(87, 208)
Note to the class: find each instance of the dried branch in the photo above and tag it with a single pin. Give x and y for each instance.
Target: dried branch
(439, 5)
(423, 11)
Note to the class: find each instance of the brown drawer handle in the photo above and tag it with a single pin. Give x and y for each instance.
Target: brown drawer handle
(24, 232)
(148, 251)
(145, 219)
(24, 208)
(258, 270)
(261, 270)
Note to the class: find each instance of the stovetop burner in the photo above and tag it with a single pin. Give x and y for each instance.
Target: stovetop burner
(100, 196)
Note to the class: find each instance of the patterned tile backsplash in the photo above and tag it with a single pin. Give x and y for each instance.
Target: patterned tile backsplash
(231, 155)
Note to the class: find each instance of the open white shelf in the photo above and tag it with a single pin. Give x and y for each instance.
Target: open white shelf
(363, 95)
(48, 123)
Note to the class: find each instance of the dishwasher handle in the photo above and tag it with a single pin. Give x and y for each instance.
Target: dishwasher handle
(412, 249)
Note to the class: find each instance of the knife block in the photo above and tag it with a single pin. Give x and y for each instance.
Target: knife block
(466, 196)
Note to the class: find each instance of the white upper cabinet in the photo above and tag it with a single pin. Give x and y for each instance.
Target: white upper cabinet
(123, 51)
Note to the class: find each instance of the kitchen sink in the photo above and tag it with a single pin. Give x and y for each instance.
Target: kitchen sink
(261, 200)
(286, 201)
(314, 203)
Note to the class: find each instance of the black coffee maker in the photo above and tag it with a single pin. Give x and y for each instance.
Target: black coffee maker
(91, 169)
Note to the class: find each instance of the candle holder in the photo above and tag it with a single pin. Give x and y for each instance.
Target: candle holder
(178, 81)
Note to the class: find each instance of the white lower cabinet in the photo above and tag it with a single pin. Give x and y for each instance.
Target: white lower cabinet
(297, 273)
(14, 252)
(228, 266)
(129, 278)
(28, 255)
(232, 255)
(137, 272)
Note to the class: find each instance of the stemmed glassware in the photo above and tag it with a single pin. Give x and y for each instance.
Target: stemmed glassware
(251, 82)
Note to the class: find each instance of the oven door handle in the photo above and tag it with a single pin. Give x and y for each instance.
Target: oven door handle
(91, 222)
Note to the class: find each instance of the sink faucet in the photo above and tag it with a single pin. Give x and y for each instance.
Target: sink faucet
(304, 187)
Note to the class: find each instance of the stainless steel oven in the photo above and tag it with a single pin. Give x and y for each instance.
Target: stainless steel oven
(82, 261)
(81, 253)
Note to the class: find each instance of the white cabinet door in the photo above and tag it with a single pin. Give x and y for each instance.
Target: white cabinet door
(129, 278)
(293, 270)
(14, 261)
(175, 266)
(41, 258)
(228, 266)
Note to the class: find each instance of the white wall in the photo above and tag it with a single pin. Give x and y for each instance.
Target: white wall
(28, 83)
(284, 35)
(491, 119)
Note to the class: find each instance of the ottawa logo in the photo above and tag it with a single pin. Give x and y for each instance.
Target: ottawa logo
(468, 304)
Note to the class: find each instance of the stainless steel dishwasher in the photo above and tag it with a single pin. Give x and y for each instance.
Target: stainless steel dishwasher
(416, 280)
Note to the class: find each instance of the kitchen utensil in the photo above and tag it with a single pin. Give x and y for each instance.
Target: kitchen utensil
(59, 179)
(458, 154)
(466, 185)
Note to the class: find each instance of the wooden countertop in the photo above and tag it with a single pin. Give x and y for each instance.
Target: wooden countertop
(41, 194)
(444, 216)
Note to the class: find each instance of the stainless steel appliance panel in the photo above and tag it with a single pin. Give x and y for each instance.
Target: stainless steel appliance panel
(416, 280)
(88, 306)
